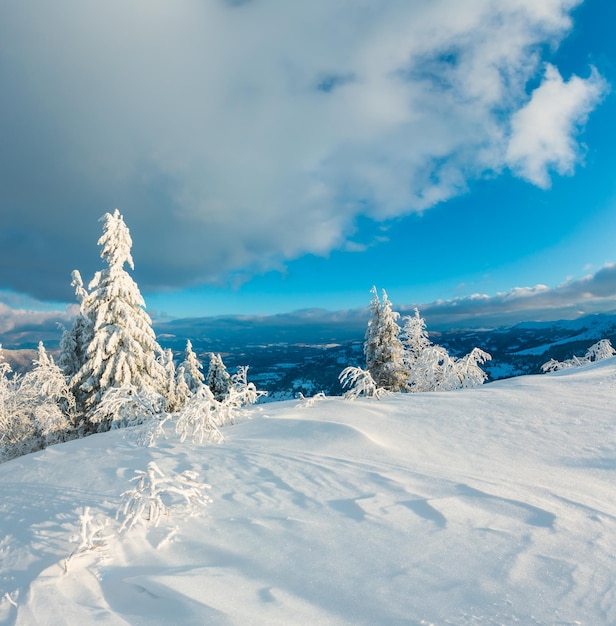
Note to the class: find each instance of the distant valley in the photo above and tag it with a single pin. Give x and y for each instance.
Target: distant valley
(306, 356)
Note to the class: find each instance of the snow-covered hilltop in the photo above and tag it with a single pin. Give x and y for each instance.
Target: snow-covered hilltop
(484, 506)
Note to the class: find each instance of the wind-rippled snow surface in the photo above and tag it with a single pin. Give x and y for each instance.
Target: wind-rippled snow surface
(493, 506)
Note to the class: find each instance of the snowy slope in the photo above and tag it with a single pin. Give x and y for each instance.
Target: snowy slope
(487, 506)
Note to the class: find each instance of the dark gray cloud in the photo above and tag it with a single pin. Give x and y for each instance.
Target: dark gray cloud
(228, 133)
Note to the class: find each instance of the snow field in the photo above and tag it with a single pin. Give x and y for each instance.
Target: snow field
(491, 506)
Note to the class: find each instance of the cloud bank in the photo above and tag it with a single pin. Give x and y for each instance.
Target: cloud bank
(595, 293)
(19, 327)
(237, 135)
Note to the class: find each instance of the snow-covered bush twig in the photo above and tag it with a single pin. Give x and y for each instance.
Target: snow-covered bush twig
(360, 383)
(309, 402)
(155, 494)
(91, 535)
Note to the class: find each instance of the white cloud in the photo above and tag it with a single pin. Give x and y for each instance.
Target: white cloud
(245, 134)
(25, 325)
(543, 131)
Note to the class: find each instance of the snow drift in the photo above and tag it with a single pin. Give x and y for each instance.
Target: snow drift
(485, 506)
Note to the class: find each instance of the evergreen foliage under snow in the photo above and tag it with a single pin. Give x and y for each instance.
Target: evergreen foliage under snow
(123, 350)
(404, 359)
(601, 350)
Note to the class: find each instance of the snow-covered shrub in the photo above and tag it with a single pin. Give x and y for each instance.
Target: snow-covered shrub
(36, 409)
(16, 428)
(91, 535)
(309, 402)
(44, 393)
(241, 394)
(156, 494)
(468, 371)
(431, 367)
(601, 350)
(198, 419)
(436, 370)
(127, 406)
(360, 383)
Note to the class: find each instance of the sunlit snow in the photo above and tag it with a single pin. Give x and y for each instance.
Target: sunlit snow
(486, 506)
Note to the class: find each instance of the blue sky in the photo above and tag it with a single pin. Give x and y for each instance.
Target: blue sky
(270, 156)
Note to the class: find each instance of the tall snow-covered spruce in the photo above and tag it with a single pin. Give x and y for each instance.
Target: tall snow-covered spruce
(123, 349)
(383, 349)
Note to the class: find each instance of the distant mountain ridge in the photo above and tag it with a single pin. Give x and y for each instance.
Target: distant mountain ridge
(304, 352)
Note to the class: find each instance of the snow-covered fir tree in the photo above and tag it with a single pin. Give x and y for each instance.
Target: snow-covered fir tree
(123, 349)
(182, 392)
(414, 337)
(218, 379)
(190, 370)
(75, 341)
(372, 339)
(382, 347)
(169, 391)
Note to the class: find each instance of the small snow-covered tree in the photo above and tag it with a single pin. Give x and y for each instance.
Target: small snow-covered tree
(218, 379)
(191, 369)
(174, 401)
(123, 349)
(414, 336)
(44, 393)
(468, 372)
(601, 350)
(242, 392)
(182, 391)
(382, 347)
(75, 341)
